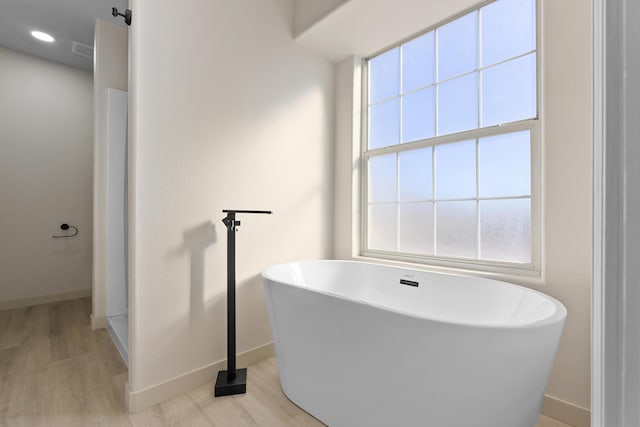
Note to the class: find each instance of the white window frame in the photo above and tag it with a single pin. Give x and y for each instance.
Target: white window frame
(532, 269)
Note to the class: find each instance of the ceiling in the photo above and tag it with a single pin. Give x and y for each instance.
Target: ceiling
(66, 20)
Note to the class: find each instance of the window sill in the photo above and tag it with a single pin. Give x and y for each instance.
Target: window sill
(518, 276)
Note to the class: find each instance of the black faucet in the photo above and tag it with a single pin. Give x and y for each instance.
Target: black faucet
(232, 381)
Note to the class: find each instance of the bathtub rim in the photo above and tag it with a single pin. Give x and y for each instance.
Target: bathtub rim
(558, 317)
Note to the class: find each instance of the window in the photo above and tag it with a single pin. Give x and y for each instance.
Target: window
(451, 128)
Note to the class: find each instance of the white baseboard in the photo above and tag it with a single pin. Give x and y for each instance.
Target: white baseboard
(137, 401)
(98, 322)
(566, 412)
(44, 299)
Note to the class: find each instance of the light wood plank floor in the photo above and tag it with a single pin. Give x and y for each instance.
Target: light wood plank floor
(56, 371)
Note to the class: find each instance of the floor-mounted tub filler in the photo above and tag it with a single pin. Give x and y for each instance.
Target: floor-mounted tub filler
(361, 344)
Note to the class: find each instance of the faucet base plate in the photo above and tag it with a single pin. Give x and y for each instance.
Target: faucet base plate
(226, 387)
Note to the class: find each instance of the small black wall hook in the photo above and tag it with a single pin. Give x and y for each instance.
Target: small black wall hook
(127, 14)
(65, 227)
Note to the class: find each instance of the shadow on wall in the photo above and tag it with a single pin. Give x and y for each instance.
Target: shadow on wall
(250, 293)
(196, 241)
(194, 321)
(206, 310)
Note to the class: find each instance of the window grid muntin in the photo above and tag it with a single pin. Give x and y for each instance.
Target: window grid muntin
(478, 71)
(435, 200)
(401, 104)
(532, 124)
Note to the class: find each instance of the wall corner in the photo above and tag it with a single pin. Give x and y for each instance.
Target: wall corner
(347, 157)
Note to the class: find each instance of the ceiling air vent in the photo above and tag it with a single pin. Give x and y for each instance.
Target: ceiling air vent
(82, 49)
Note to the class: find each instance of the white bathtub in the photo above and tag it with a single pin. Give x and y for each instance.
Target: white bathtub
(356, 348)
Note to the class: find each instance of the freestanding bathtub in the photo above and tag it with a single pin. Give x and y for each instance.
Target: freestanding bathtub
(366, 345)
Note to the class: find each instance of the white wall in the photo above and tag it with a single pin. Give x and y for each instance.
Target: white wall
(566, 150)
(110, 71)
(567, 137)
(226, 112)
(346, 220)
(45, 179)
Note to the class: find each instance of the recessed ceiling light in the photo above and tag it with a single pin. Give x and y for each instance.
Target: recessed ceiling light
(42, 36)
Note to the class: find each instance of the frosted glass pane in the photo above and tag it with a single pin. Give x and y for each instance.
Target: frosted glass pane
(382, 178)
(456, 229)
(458, 46)
(382, 227)
(505, 165)
(384, 76)
(415, 174)
(508, 30)
(418, 115)
(384, 124)
(456, 170)
(509, 91)
(505, 230)
(458, 105)
(416, 228)
(418, 62)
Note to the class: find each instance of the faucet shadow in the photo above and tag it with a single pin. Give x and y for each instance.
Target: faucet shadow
(196, 241)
